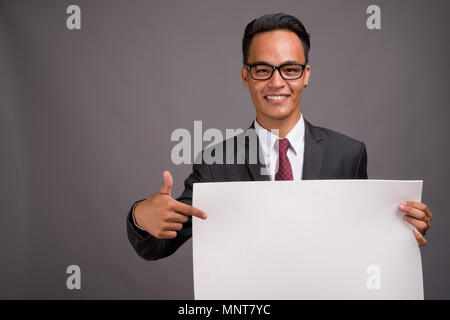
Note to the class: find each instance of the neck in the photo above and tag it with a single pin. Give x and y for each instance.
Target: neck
(284, 126)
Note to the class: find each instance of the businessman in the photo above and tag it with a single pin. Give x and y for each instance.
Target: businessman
(275, 70)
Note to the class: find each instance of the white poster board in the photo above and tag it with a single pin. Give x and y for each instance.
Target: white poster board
(312, 239)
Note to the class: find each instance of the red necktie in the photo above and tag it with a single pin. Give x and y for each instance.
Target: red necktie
(284, 166)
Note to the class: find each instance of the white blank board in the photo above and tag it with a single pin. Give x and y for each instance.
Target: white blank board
(312, 239)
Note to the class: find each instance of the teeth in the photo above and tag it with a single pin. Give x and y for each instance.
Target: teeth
(276, 97)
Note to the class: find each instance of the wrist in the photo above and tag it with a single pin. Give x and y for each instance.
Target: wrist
(136, 215)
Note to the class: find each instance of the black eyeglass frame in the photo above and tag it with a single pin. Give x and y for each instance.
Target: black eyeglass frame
(249, 66)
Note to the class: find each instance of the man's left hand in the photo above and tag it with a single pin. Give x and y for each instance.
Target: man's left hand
(419, 216)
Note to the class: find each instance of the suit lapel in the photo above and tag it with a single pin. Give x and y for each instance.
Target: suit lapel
(313, 155)
(254, 168)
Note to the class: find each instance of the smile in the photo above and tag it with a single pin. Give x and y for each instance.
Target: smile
(276, 98)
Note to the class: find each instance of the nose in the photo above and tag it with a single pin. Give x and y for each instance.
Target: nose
(277, 80)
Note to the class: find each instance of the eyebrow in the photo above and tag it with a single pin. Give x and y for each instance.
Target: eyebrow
(285, 62)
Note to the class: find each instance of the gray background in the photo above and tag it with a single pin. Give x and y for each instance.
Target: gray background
(86, 118)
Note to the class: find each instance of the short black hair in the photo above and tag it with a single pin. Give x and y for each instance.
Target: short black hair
(271, 22)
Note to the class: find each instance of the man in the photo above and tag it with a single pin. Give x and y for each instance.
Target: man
(276, 70)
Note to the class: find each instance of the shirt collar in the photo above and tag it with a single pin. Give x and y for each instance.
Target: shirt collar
(267, 139)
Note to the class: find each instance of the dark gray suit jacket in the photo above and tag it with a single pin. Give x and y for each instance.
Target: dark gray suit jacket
(328, 155)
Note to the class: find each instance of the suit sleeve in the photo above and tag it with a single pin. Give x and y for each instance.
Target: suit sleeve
(151, 248)
(361, 165)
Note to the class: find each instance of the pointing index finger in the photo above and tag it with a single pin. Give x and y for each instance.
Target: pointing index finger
(189, 210)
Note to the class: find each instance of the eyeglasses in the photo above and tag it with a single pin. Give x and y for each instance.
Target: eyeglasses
(264, 71)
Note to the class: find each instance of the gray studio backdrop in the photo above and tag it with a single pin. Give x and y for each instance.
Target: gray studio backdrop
(86, 117)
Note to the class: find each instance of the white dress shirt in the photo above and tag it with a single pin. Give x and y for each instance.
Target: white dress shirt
(269, 145)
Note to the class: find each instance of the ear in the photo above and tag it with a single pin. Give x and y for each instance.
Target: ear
(245, 75)
(307, 74)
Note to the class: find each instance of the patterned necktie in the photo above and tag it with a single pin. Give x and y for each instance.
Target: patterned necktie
(284, 166)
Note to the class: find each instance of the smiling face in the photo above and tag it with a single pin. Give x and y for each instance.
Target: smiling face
(277, 101)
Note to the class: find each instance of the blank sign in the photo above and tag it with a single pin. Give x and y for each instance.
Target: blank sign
(314, 239)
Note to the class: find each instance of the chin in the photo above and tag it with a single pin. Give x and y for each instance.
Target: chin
(277, 114)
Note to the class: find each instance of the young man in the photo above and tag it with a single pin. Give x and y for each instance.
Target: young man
(276, 70)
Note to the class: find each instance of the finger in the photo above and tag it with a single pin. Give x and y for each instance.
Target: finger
(168, 235)
(173, 227)
(167, 184)
(419, 237)
(189, 210)
(420, 206)
(418, 224)
(412, 211)
(178, 217)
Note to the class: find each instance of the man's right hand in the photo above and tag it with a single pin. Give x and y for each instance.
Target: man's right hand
(161, 215)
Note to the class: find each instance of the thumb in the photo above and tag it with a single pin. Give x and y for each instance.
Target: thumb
(168, 183)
